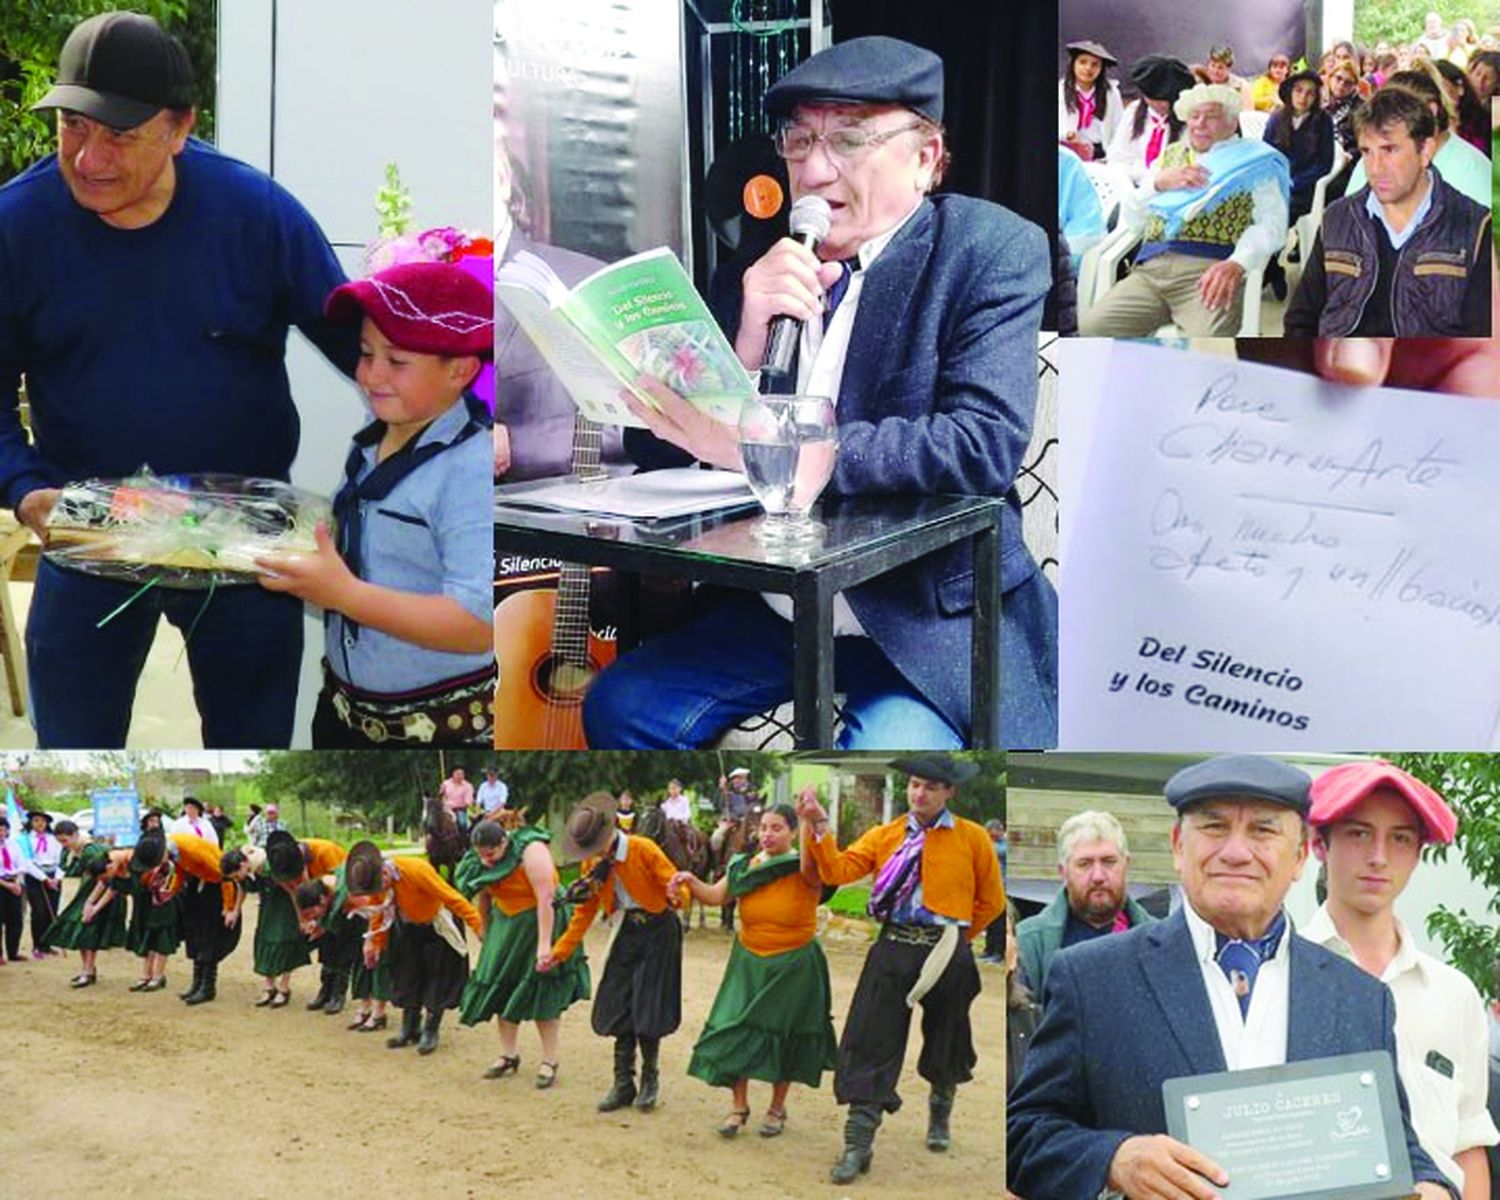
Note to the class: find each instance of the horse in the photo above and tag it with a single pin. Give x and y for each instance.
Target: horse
(446, 842)
(684, 844)
(738, 837)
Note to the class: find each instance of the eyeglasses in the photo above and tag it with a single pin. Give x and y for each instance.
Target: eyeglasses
(794, 142)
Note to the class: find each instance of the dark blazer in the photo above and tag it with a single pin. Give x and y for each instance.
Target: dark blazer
(529, 399)
(937, 396)
(1124, 1013)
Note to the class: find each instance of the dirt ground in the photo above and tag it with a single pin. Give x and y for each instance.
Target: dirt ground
(231, 1100)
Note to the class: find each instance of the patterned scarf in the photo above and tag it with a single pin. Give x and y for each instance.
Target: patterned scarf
(900, 876)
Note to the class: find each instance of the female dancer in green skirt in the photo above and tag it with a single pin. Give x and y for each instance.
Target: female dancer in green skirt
(772, 1019)
(280, 947)
(515, 873)
(79, 926)
(155, 929)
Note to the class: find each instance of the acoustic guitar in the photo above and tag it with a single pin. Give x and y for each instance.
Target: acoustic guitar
(547, 653)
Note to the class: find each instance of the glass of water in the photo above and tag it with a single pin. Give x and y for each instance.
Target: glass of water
(788, 444)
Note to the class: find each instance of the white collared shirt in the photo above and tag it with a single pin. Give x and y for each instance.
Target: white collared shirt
(623, 898)
(45, 857)
(1258, 1038)
(1376, 209)
(17, 860)
(200, 827)
(492, 795)
(1438, 1011)
(678, 808)
(821, 355)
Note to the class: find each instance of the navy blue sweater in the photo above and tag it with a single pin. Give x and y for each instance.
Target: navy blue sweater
(160, 346)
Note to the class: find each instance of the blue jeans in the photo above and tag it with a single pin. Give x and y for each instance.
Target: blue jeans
(685, 688)
(244, 657)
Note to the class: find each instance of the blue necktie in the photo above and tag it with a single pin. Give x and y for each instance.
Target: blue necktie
(840, 286)
(1240, 961)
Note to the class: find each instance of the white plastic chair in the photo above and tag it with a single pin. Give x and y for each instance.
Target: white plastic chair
(1306, 229)
(1109, 183)
(1253, 124)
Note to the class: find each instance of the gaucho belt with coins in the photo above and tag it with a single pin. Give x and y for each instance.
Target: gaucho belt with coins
(455, 712)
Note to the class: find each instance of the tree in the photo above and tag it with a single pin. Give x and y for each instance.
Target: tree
(31, 36)
(1402, 21)
(1471, 785)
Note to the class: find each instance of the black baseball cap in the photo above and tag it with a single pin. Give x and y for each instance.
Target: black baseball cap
(121, 69)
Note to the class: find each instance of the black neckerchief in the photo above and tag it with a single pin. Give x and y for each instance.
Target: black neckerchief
(349, 502)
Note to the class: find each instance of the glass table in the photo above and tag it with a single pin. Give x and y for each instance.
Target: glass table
(860, 538)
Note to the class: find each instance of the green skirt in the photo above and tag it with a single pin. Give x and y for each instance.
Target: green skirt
(366, 984)
(154, 928)
(279, 944)
(506, 983)
(772, 1020)
(105, 932)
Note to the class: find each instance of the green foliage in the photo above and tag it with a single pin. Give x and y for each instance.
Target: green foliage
(1471, 785)
(1402, 21)
(31, 36)
(393, 204)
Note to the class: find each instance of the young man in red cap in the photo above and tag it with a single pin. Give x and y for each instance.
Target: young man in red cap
(1370, 820)
(409, 655)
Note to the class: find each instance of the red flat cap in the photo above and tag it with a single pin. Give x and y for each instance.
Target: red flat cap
(1338, 792)
(428, 307)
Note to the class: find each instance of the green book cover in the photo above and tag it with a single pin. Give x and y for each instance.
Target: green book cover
(640, 315)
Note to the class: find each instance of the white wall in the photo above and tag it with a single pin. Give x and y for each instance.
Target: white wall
(322, 94)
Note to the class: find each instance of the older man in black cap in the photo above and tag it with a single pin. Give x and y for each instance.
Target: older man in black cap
(936, 887)
(1222, 984)
(919, 314)
(147, 285)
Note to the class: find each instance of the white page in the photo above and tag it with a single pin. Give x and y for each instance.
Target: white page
(1235, 518)
(674, 492)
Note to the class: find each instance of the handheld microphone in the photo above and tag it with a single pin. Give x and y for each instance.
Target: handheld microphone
(809, 220)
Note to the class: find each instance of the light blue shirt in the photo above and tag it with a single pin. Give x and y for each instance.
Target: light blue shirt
(432, 535)
(1377, 210)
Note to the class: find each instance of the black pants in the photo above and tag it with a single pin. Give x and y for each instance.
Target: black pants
(426, 972)
(10, 923)
(43, 903)
(208, 938)
(641, 992)
(874, 1042)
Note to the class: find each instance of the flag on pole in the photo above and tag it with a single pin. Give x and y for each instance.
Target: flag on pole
(17, 821)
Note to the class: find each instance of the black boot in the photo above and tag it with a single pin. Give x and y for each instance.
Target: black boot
(197, 984)
(646, 1101)
(939, 1109)
(427, 1043)
(338, 986)
(325, 991)
(209, 988)
(859, 1141)
(411, 1023)
(622, 1094)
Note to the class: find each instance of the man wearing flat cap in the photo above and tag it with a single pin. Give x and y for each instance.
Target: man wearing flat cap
(1211, 210)
(919, 315)
(639, 998)
(1222, 984)
(936, 887)
(1370, 820)
(147, 285)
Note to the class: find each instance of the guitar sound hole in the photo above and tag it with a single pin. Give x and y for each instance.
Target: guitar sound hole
(562, 681)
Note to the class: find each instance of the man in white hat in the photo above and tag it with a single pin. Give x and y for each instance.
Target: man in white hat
(1212, 209)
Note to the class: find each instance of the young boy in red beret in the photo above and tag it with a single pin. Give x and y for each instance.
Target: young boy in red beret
(405, 583)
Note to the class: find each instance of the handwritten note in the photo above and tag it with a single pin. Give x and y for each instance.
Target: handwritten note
(1260, 560)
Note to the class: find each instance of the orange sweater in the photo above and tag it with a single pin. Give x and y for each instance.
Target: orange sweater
(421, 893)
(514, 893)
(780, 916)
(645, 873)
(199, 858)
(960, 870)
(323, 856)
